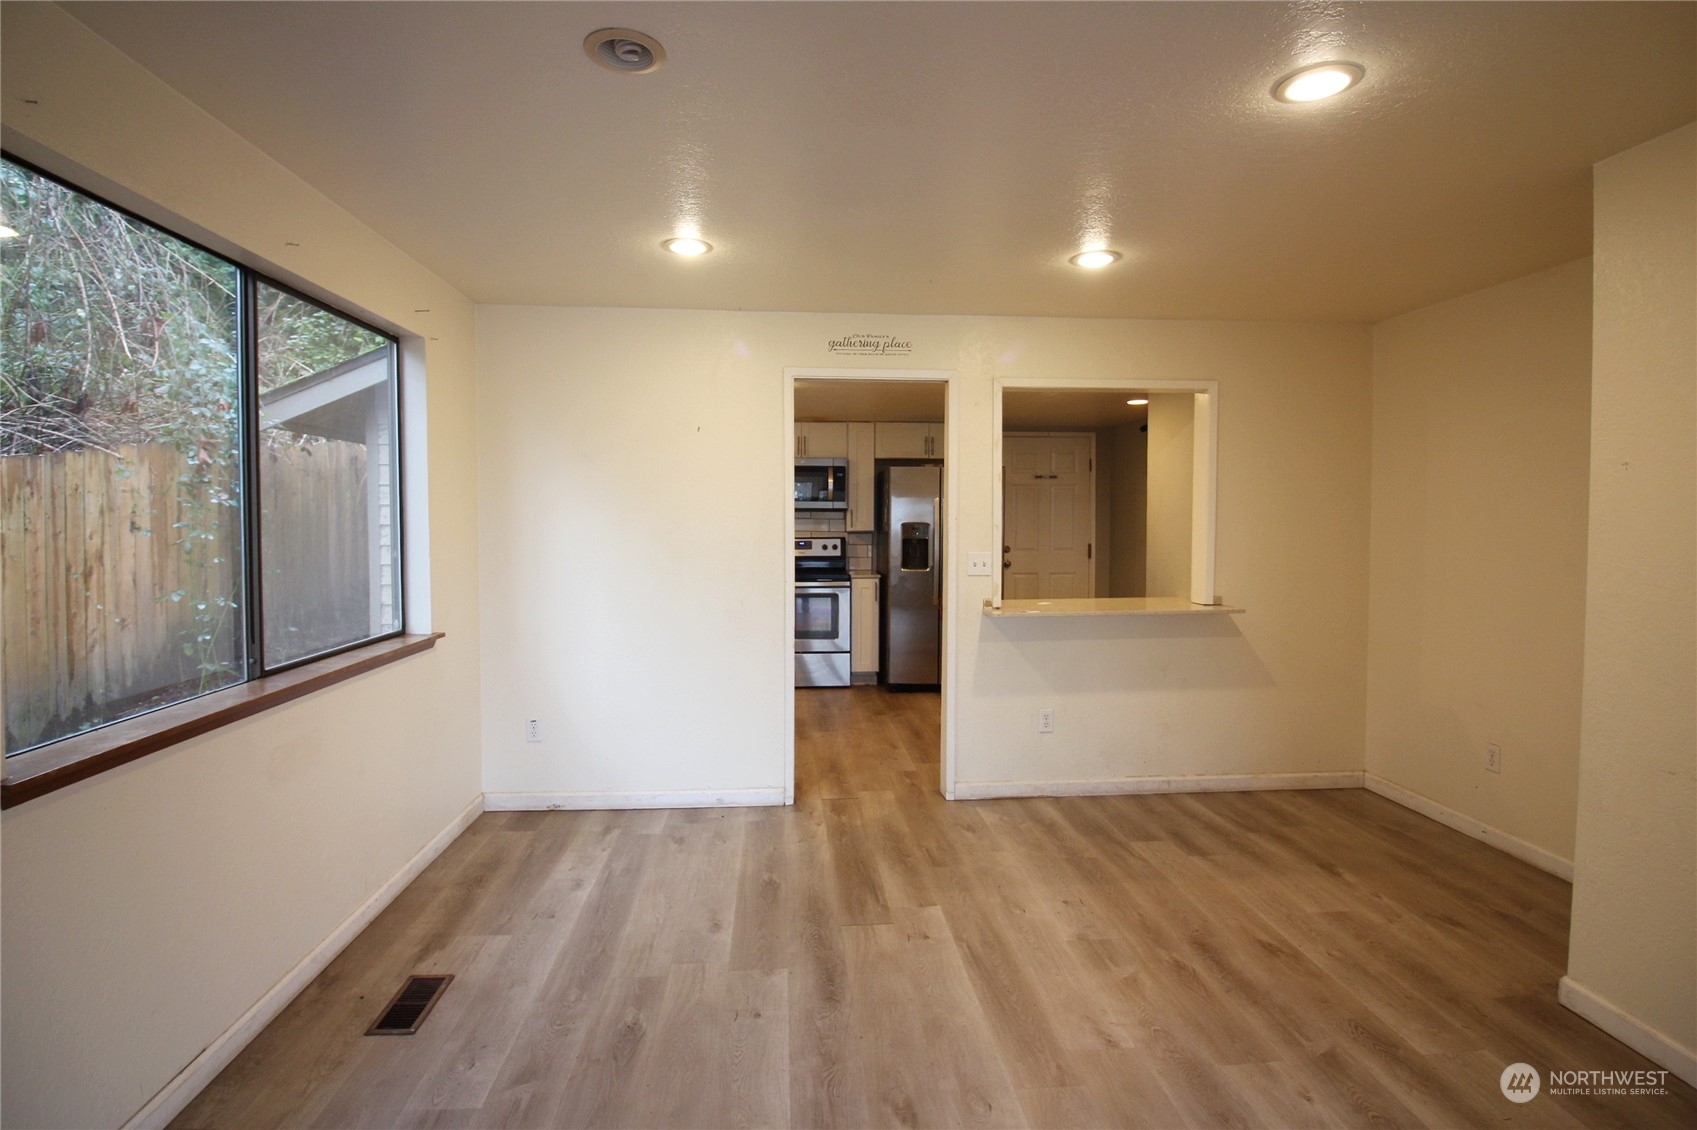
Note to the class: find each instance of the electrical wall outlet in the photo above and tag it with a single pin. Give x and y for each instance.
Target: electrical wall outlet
(533, 729)
(1493, 758)
(1045, 719)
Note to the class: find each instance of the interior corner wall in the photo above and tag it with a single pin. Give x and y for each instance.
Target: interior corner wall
(1634, 935)
(147, 909)
(1102, 487)
(1129, 572)
(1481, 409)
(1168, 491)
(634, 483)
(1120, 544)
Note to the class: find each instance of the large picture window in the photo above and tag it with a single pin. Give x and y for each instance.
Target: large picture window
(199, 469)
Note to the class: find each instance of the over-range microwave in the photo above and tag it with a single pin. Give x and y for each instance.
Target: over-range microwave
(821, 484)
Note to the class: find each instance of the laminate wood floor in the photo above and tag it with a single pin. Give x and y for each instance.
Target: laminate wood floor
(877, 956)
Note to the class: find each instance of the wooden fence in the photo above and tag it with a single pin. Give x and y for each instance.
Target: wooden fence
(120, 574)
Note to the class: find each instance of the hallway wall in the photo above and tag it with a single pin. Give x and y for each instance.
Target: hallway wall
(1481, 409)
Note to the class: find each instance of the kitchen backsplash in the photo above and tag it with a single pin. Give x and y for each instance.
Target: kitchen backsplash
(820, 521)
(860, 555)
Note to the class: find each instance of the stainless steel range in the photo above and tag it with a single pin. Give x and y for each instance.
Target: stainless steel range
(822, 619)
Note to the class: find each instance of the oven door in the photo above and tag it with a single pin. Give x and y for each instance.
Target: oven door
(822, 621)
(822, 631)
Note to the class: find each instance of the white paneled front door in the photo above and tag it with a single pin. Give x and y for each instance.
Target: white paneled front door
(1049, 516)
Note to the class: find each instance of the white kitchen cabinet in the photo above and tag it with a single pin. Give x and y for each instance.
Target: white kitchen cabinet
(863, 629)
(910, 441)
(861, 477)
(821, 440)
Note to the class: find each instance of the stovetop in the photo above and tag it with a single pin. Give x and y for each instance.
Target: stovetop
(820, 559)
(821, 574)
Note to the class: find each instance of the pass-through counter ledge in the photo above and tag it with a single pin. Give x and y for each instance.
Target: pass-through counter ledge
(1108, 606)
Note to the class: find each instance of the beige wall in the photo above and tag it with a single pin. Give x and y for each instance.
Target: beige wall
(1634, 939)
(146, 910)
(1481, 410)
(1127, 486)
(635, 572)
(1171, 447)
(1102, 484)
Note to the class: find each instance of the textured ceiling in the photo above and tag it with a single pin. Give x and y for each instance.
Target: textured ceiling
(946, 157)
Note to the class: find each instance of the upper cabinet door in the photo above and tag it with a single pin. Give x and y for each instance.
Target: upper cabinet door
(861, 478)
(910, 441)
(821, 441)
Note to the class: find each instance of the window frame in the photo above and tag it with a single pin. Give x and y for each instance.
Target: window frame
(252, 517)
(50, 765)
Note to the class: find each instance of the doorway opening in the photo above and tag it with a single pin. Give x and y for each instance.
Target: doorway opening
(871, 546)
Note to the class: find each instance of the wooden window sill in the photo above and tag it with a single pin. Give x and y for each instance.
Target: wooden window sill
(1108, 606)
(38, 772)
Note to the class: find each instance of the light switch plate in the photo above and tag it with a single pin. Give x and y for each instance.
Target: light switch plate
(978, 564)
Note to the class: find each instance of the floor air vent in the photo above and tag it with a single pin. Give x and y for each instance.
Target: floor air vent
(410, 1006)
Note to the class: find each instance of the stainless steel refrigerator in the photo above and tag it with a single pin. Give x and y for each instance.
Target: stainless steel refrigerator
(910, 556)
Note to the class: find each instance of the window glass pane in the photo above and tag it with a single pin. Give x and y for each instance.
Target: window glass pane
(120, 511)
(328, 480)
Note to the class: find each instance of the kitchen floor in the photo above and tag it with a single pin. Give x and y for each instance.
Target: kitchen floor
(852, 740)
(878, 956)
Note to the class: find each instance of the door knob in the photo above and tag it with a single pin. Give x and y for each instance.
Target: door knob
(1006, 564)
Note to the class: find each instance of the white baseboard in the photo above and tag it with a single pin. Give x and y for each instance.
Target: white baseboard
(1649, 1042)
(1118, 786)
(702, 798)
(204, 1068)
(1504, 842)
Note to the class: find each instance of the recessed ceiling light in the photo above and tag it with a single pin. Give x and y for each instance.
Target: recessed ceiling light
(625, 51)
(686, 245)
(1322, 80)
(1138, 400)
(1091, 260)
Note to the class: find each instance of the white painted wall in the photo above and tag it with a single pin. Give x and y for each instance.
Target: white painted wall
(147, 909)
(635, 570)
(1481, 410)
(1633, 949)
